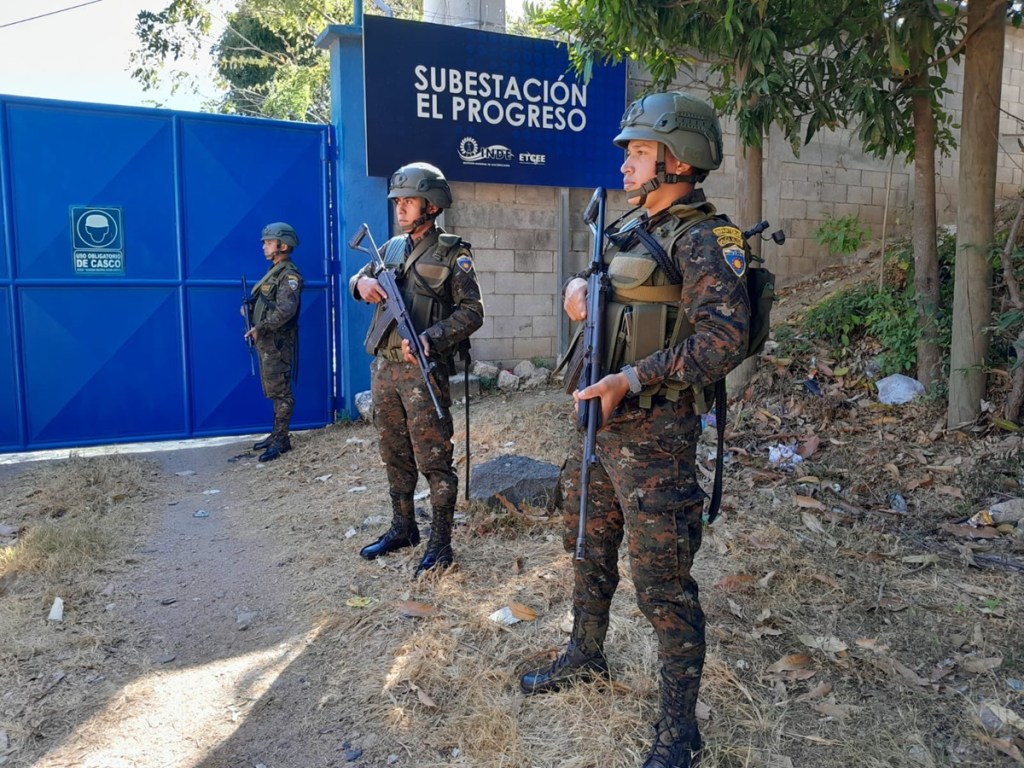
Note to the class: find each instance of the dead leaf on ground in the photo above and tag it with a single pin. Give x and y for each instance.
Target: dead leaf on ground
(972, 589)
(824, 578)
(893, 667)
(789, 663)
(829, 644)
(919, 482)
(422, 695)
(1006, 746)
(950, 490)
(807, 502)
(968, 532)
(522, 612)
(1006, 715)
(871, 644)
(414, 610)
(977, 665)
(809, 446)
(838, 711)
(821, 689)
(812, 522)
(736, 581)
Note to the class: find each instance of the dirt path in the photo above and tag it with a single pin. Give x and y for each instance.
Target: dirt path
(219, 636)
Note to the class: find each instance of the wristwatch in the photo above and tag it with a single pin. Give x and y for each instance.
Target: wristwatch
(635, 386)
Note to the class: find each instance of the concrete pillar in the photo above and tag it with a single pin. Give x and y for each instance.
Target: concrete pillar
(488, 15)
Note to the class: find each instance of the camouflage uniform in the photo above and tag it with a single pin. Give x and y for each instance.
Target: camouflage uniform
(676, 320)
(275, 315)
(441, 292)
(645, 479)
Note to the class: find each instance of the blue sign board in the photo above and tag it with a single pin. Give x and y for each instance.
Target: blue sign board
(488, 107)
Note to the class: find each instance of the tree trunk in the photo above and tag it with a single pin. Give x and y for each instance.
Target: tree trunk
(926, 253)
(979, 144)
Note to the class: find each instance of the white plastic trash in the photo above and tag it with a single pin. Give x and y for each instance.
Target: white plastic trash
(898, 389)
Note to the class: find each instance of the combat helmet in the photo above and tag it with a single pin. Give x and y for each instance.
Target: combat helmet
(420, 180)
(281, 231)
(685, 124)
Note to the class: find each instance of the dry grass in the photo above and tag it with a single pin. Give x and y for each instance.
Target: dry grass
(889, 620)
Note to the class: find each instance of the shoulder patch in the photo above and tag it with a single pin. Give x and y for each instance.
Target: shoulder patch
(465, 263)
(728, 236)
(293, 282)
(736, 259)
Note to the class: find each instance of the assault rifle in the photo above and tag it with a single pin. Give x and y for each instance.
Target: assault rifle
(393, 311)
(247, 319)
(588, 414)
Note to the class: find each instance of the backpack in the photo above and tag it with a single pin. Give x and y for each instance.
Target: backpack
(761, 293)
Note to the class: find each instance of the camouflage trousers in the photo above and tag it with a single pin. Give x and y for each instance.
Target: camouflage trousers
(276, 352)
(411, 437)
(644, 485)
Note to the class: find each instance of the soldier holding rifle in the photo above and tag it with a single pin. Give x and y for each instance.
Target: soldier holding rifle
(677, 319)
(435, 275)
(272, 318)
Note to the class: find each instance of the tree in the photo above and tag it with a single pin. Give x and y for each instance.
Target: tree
(265, 56)
(972, 287)
(895, 57)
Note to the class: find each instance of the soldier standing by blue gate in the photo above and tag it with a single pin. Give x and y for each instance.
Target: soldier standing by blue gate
(274, 314)
(434, 271)
(679, 315)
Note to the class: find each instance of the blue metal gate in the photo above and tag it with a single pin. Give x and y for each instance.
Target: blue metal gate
(125, 235)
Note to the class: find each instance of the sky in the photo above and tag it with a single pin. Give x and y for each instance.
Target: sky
(79, 50)
(82, 54)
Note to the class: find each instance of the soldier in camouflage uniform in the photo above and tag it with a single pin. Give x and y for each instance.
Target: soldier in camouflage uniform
(435, 273)
(274, 314)
(679, 301)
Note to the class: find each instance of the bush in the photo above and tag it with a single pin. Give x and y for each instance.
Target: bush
(843, 236)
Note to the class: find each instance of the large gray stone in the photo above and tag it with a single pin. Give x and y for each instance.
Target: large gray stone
(518, 478)
(364, 404)
(457, 383)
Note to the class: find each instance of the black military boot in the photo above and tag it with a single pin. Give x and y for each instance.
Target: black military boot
(278, 445)
(439, 547)
(402, 533)
(263, 444)
(677, 742)
(582, 661)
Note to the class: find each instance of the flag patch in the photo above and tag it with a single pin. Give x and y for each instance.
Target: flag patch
(736, 259)
(465, 263)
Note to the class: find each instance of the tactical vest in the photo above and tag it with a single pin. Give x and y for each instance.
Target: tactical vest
(423, 279)
(643, 313)
(265, 293)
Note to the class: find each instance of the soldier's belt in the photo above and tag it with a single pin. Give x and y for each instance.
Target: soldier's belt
(659, 294)
(391, 354)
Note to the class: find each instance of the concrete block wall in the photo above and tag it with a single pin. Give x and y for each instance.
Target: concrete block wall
(515, 243)
(516, 231)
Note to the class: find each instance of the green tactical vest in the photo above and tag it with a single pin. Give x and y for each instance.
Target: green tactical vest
(422, 277)
(265, 292)
(643, 313)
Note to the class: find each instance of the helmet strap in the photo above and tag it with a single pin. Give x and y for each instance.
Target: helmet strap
(670, 178)
(424, 217)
